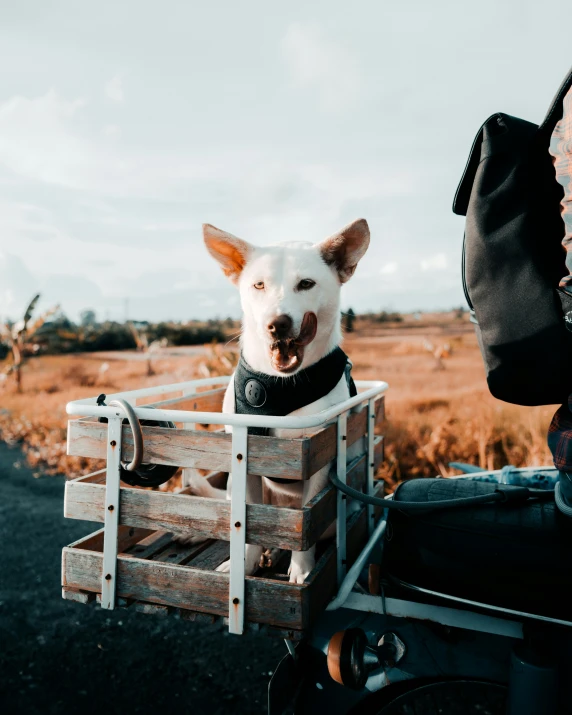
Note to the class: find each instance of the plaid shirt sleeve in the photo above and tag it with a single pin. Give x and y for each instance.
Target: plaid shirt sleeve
(561, 151)
(560, 438)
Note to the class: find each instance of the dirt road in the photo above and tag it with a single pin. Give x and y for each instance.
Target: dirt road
(58, 657)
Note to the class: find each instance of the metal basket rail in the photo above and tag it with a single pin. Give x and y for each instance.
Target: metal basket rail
(368, 391)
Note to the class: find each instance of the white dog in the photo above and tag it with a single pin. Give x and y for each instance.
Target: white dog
(290, 296)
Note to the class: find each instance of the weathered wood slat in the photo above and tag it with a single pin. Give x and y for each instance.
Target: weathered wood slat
(267, 456)
(183, 587)
(176, 553)
(209, 401)
(127, 536)
(161, 547)
(152, 544)
(183, 513)
(211, 557)
(71, 594)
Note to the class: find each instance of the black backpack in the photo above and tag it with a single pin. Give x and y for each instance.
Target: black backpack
(513, 258)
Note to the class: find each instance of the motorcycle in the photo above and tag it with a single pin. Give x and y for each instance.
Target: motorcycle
(462, 610)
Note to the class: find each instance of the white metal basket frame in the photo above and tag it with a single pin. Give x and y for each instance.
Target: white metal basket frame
(239, 469)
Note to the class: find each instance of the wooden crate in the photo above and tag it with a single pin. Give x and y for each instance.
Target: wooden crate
(159, 574)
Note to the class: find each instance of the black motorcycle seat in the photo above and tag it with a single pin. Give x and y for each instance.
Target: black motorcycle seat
(517, 556)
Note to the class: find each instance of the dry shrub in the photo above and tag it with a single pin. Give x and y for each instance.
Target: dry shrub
(218, 361)
(422, 442)
(409, 347)
(77, 374)
(429, 405)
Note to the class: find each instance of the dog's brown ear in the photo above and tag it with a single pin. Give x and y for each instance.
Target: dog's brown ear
(231, 252)
(344, 249)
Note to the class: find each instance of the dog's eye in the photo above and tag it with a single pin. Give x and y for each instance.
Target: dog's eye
(259, 285)
(306, 284)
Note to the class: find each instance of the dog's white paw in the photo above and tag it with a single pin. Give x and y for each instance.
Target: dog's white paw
(300, 566)
(297, 575)
(252, 556)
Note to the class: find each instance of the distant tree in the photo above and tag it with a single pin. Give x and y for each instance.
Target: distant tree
(19, 336)
(350, 318)
(387, 317)
(88, 318)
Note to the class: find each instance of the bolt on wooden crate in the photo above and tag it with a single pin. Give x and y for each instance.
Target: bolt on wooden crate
(146, 564)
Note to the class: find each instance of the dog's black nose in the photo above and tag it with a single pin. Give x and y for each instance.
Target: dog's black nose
(280, 327)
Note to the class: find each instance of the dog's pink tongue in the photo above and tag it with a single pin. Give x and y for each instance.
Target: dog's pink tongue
(308, 330)
(286, 356)
(287, 362)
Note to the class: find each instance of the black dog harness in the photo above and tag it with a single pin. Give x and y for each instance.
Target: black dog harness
(256, 393)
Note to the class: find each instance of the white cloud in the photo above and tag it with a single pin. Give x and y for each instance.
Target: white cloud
(316, 62)
(438, 262)
(389, 268)
(206, 302)
(114, 89)
(35, 141)
(47, 139)
(17, 284)
(111, 130)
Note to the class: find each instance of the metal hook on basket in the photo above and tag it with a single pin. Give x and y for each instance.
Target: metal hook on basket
(137, 433)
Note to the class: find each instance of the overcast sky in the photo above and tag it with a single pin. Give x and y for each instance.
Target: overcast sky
(126, 125)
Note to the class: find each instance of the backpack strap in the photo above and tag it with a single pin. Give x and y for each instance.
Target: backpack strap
(463, 193)
(554, 113)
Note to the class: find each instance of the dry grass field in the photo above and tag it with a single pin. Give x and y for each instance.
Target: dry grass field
(438, 408)
(441, 411)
